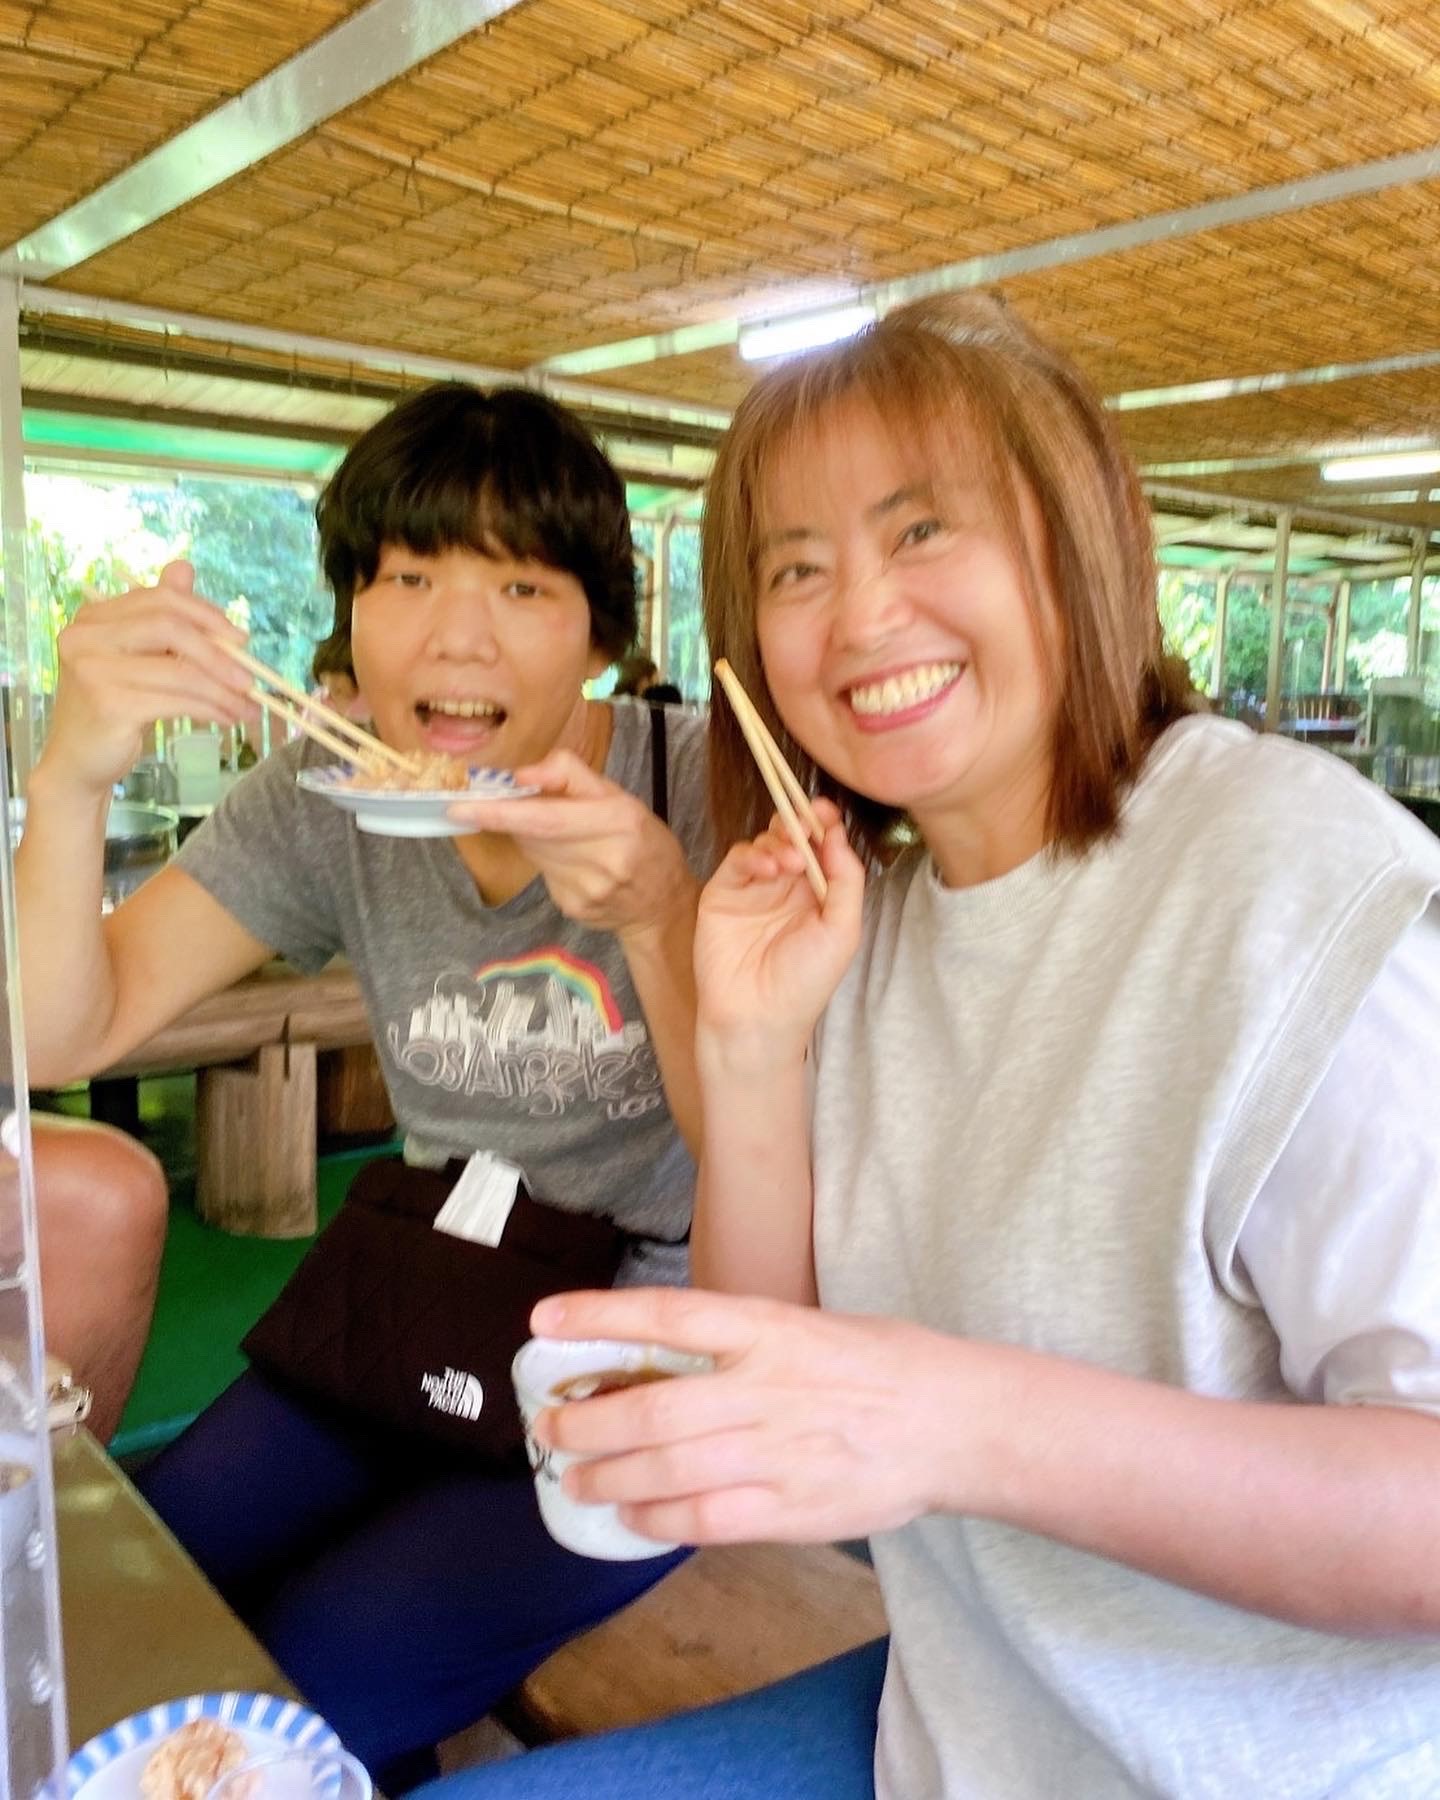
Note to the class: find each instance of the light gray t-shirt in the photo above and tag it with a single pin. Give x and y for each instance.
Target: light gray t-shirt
(506, 1028)
(1045, 1110)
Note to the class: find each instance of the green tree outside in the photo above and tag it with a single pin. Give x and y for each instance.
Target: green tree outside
(252, 544)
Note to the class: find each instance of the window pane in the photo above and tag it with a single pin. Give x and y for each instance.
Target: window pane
(687, 660)
(1187, 617)
(1376, 646)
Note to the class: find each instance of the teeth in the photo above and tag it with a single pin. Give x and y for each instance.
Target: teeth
(897, 692)
(462, 709)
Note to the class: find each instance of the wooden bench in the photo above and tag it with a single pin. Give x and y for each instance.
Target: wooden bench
(732, 1618)
(255, 1048)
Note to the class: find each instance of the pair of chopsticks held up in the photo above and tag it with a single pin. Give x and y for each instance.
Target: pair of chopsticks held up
(791, 801)
(336, 732)
(284, 701)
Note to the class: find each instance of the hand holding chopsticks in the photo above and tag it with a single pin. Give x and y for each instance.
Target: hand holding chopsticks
(791, 801)
(278, 696)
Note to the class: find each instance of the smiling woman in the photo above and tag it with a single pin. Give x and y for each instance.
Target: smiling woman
(1100, 1124)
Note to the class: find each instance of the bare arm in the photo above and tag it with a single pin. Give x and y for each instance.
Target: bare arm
(754, 1199)
(93, 989)
(767, 960)
(820, 1426)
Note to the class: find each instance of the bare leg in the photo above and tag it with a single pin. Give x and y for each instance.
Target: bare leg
(101, 1203)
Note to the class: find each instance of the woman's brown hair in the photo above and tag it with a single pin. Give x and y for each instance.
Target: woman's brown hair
(963, 376)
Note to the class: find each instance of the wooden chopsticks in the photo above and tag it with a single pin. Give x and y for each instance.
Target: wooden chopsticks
(791, 801)
(314, 718)
(310, 716)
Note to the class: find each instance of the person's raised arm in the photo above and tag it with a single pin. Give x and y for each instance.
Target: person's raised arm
(93, 988)
(819, 1426)
(767, 961)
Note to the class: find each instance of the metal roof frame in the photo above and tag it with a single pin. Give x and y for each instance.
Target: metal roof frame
(372, 47)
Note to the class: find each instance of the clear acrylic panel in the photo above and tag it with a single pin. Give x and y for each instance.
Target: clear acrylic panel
(33, 1702)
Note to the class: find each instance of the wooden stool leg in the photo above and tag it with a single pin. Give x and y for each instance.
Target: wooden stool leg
(351, 1096)
(255, 1130)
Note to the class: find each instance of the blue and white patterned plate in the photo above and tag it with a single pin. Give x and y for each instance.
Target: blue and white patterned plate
(109, 1766)
(408, 812)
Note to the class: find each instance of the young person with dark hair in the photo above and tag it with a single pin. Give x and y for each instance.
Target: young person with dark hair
(1073, 1180)
(529, 984)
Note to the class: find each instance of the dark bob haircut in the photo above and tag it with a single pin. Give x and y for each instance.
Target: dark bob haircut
(508, 473)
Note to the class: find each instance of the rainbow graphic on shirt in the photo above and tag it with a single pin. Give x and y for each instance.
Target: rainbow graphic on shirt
(542, 1032)
(580, 978)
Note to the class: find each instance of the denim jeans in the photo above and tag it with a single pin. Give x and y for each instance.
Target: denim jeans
(810, 1737)
(402, 1593)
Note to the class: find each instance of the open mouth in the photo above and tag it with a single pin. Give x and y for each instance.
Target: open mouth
(465, 728)
(485, 711)
(903, 693)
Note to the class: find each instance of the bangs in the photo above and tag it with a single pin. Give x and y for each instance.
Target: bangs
(493, 488)
(445, 512)
(944, 413)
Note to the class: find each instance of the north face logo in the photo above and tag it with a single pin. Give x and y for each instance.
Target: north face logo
(456, 1392)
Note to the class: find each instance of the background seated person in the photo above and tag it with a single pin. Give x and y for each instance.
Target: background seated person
(639, 677)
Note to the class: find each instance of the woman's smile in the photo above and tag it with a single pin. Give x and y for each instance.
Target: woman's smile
(885, 702)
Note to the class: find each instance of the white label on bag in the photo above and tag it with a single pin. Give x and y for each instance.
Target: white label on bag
(456, 1392)
(480, 1202)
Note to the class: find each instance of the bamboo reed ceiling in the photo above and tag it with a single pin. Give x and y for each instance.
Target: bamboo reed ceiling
(578, 172)
(1313, 419)
(91, 85)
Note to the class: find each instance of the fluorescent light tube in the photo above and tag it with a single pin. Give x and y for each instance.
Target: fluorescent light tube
(1371, 468)
(805, 331)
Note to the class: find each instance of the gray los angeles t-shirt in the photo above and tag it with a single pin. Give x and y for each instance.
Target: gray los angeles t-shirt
(505, 1028)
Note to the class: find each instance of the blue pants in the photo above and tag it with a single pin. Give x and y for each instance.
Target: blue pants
(811, 1737)
(402, 1593)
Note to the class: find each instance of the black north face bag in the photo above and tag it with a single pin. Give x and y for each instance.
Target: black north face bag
(390, 1321)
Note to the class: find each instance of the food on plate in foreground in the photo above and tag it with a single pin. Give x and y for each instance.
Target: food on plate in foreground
(190, 1761)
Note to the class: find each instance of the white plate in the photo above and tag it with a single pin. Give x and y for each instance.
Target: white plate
(109, 1766)
(398, 812)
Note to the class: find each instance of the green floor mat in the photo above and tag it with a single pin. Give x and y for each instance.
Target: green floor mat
(213, 1286)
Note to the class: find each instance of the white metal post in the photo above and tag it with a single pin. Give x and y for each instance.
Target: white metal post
(1278, 584)
(660, 633)
(19, 695)
(1340, 655)
(1417, 591)
(1222, 622)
